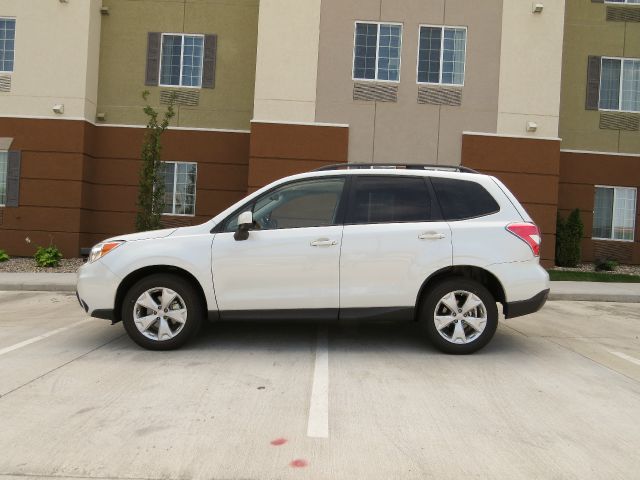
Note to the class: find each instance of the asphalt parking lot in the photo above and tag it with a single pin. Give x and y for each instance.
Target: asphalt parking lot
(555, 395)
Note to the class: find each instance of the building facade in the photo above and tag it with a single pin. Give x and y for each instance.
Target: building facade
(268, 88)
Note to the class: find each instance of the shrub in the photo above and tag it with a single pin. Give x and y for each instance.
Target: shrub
(48, 257)
(568, 236)
(605, 265)
(4, 256)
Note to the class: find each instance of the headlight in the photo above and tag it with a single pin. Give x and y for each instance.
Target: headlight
(101, 249)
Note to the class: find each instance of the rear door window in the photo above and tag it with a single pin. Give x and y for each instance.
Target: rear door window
(462, 199)
(380, 199)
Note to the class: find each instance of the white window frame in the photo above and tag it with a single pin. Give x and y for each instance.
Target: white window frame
(611, 239)
(464, 67)
(181, 60)
(625, 2)
(353, 60)
(5, 72)
(5, 182)
(622, 59)
(175, 182)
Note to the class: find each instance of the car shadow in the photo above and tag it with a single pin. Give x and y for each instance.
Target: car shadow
(353, 337)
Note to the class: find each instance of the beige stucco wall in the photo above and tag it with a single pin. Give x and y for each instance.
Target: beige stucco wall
(123, 59)
(56, 52)
(407, 131)
(588, 33)
(530, 68)
(286, 69)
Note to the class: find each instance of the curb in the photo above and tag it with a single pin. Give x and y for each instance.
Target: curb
(586, 297)
(37, 287)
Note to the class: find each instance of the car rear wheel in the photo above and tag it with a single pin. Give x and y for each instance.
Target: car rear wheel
(162, 312)
(459, 316)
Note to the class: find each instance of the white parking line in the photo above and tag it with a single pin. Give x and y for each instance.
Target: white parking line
(42, 337)
(318, 425)
(626, 357)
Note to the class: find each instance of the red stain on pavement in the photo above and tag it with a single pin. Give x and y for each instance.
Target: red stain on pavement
(278, 441)
(299, 463)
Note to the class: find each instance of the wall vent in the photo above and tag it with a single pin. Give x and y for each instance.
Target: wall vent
(189, 98)
(5, 83)
(375, 92)
(620, 121)
(440, 96)
(623, 14)
(612, 250)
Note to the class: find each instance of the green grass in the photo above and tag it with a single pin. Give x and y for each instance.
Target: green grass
(564, 276)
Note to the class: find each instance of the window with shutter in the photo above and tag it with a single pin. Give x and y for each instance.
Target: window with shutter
(12, 179)
(209, 63)
(153, 59)
(593, 83)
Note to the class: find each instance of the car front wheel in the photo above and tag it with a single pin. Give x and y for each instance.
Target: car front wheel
(459, 316)
(162, 312)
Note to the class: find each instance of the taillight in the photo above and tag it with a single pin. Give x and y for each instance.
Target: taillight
(528, 233)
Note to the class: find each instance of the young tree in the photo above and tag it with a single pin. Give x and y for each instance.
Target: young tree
(151, 185)
(568, 236)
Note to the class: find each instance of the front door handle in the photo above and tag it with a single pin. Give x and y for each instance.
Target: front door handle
(431, 236)
(323, 242)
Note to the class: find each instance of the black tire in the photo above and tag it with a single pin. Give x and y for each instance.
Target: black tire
(428, 311)
(187, 293)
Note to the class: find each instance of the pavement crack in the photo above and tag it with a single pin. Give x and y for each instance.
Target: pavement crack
(550, 339)
(2, 395)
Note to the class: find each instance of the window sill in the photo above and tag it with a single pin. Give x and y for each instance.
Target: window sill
(611, 240)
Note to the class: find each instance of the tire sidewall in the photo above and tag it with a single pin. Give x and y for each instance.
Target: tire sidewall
(179, 285)
(427, 312)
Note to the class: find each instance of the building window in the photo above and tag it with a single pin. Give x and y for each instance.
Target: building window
(620, 84)
(376, 52)
(623, 1)
(3, 178)
(614, 213)
(181, 60)
(7, 44)
(180, 188)
(441, 55)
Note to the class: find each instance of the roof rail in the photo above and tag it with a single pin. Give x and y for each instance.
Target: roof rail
(399, 166)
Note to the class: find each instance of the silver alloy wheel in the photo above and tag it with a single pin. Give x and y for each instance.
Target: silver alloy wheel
(460, 317)
(160, 314)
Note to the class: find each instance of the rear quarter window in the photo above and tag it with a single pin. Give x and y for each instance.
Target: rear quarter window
(462, 199)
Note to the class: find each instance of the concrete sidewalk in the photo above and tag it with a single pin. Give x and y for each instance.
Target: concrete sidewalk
(585, 291)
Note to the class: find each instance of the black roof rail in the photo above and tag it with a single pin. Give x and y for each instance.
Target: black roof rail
(400, 166)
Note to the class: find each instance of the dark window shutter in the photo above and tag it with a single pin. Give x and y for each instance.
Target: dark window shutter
(593, 83)
(153, 58)
(13, 179)
(209, 61)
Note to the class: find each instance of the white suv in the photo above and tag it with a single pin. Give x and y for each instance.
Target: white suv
(439, 246)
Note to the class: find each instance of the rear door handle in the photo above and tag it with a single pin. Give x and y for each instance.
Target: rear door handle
(431, 236)
(323, 242)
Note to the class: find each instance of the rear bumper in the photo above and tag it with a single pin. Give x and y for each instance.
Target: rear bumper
(525, 307)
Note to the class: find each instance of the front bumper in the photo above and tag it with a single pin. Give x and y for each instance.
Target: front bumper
(96, 290)
(525, 307)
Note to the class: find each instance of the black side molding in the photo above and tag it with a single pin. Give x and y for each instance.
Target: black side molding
(525, 307)
(318, 314)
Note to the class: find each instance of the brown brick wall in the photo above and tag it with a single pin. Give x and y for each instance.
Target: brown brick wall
(280, 149)
(530, 168)
(79, 182)
(579, 173)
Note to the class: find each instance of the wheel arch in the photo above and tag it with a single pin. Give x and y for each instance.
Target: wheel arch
(143, 272)
(479, 274)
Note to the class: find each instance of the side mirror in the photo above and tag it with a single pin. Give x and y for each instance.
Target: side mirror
(245, 223)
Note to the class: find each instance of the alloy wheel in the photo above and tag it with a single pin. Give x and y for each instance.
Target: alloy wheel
(460, 317)
(160, 314)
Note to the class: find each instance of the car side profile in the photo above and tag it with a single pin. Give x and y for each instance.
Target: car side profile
(441, 246)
